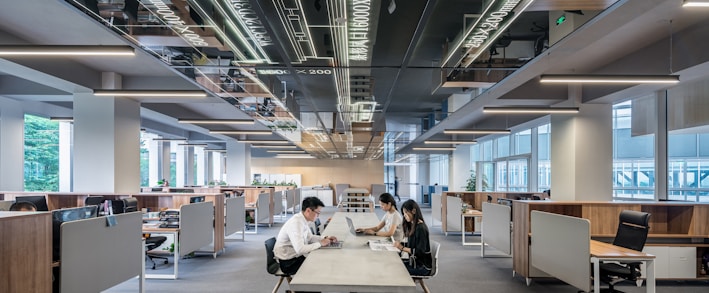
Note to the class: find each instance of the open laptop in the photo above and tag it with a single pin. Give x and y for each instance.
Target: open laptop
(353, 230)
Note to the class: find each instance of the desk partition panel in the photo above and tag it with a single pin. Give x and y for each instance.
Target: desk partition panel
(496, 227)
(435, 209)
(561, 247)
(95, 257)
(235, 215)
(196, 229)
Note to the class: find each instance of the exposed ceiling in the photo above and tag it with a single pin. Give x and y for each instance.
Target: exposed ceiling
(290, 65)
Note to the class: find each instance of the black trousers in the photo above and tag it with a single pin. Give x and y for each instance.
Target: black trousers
(291, 266)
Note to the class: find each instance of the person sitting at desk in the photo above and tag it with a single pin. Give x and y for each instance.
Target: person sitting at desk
(391, 221)
(23, 206)
(417, 247)
(296, 240)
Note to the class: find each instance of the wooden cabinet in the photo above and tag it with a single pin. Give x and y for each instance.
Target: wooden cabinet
(26, 251)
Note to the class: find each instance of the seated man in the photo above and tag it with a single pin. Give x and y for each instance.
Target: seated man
(296, 240)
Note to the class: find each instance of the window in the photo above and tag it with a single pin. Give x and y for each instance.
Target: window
(41, 154)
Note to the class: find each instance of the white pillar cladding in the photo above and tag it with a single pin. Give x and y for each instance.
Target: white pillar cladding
(210, 157)
(106, 141)
(181, 165)
(153, 161)
(165, 157)
(460, 167)
(65, 156)
(238, 163)
(582, 154)
(189, 165)
(201, 162)
(12, 145)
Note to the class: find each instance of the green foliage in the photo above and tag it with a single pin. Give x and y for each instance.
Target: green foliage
(471, 183)
(41, 154)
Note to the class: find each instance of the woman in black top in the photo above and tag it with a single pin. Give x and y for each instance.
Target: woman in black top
(417, 246)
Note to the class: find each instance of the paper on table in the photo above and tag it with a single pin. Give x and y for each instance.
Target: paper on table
(381, 245)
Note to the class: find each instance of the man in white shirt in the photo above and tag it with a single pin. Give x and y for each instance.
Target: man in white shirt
(296, 240)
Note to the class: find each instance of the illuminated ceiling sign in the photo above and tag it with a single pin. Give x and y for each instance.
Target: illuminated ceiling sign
(358, 30)
(251, 23)
(498, 15)
(177, 23)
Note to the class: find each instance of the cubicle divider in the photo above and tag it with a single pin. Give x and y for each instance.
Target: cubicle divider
(497, 228)
(290, 201)
(435, 209)
(96, 256)
(235, 216)
(278, 204)
(453, 208)
(195, 227)
(561, 247)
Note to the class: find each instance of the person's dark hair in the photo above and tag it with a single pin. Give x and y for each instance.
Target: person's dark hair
(311, 202)
(22, 206)
(387, 198)
(411, 206)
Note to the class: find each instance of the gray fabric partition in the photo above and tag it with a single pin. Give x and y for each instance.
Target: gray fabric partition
(235, 215)
(196, 226)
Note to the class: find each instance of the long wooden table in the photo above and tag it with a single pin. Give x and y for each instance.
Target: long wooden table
(355, 267)
(601, 251)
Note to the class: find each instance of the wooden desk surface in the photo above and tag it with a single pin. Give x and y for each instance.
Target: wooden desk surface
(606, 250)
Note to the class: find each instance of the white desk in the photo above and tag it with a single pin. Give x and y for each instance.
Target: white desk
(175, 232)
(475, 214)
(355, 267)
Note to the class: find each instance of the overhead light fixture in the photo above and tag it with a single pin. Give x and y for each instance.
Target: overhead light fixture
(531, 110)
(252, 132)
(62, 119)
(215, 150)
(477, 131)
(169, 139)
(450, 142)
(295, 156)
(65, 50)
(192, 144)
(264, 141)
(572, 78)
(150, 93)
(285, 152)
(434, 148)
(695, 3)
(273, 146)
(217, 121)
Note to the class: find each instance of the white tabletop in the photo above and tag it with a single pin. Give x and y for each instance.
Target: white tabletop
(355, 267)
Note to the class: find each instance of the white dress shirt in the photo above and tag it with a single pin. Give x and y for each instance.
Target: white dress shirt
(295, 239)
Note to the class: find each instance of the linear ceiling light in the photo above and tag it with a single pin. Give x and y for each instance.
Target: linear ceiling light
(216, 121)
(60, 50)
(192, 144)
(151, 93)
(695, 3)
(263, 141)
(272, 146)
(215, 150)
(253, 132)
(530, 110)
(295, 156)
(450, 142)
(169, 139)
(62, 119)
(285, 152)
(571, 78)
(477, 131)
(434, 148)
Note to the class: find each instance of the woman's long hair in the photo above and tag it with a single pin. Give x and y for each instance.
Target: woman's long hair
(411, 206)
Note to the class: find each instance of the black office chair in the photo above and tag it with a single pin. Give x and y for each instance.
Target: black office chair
(130, 204)
(272, 266)
(153, 242)
(632, 233)
(95, 200)
(436, 248)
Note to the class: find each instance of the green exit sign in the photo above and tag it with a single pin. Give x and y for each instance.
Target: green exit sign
(561, 19)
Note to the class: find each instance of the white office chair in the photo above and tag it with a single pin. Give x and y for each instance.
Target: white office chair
(434, 270)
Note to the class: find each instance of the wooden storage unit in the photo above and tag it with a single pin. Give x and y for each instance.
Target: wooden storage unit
(677, 230)
(26, 251)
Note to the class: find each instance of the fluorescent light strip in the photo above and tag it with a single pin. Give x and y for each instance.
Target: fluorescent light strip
(264, 141)
(59, 50)
(695, 3)
(434, 148)
(477, 131)
(169, 139)
(150, 93)
(271, 146)
(285, 152)
(192, 144)
(215, 150)
(62, 119)
(530, 110)
(450, 142)
(216, 121)
(564, 78)
(295, 156)
(252, 132)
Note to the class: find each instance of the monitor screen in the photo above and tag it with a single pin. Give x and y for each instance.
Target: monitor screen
(67, 215)
(195, 199)
(39, 201)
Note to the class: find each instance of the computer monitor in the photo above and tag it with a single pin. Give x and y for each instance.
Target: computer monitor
(195, 199)
(5, 205)
(67, 215)
(39, 201)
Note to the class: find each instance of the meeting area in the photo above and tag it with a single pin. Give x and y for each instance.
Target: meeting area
(354, 146)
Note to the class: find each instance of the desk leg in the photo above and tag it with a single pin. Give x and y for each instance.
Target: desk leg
(176, 260)
(596, 275)
(141, 278)
(650, 283)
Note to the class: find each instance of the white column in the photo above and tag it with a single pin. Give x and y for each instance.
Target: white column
(106, 141)
(211, 166)
(189, 165)
(582, 154)
(153, 162)
(165, 157)
(460, 168)
(65, 156)
(180, 166)
(238, 165)
(12, 145)
(201, 167)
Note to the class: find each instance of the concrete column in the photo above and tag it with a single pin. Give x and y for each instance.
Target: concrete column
(238, 164)
(65, 156)
(12, 145)
(153, 162)
(106, 141)
(582, 154)
(189, 165)
(165, 157)
(201, 162)
(181, 165)
(210, 166)
(459, 168)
